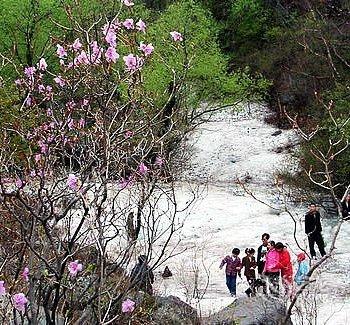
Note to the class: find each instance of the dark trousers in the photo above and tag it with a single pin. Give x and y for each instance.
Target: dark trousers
(318, 239)
(231, 283)
(274, 282)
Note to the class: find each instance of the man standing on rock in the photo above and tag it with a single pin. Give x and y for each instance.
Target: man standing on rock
(313, 230)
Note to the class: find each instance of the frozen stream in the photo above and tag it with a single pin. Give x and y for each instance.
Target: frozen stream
(242, 145)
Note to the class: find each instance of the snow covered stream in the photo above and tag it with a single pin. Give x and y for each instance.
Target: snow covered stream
(242, 145)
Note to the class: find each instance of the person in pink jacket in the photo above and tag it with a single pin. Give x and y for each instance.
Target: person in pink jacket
(272, 268)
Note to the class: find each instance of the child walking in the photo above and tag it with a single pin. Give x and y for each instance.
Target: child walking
(233, 266)
(249, 264)
(303, 269)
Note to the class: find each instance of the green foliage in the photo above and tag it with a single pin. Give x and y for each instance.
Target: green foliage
(26, 28)
(207, 78)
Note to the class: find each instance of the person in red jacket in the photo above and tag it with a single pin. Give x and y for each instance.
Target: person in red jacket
(286, 268)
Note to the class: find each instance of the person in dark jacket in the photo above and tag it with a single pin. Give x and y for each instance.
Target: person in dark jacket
(313, 230)
(249, 265)
(345, 205)
(262, 250)
(142, 275)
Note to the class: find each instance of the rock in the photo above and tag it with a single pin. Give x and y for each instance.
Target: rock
(257, 310)
(278, 132)
(167, 273)
(173, 311)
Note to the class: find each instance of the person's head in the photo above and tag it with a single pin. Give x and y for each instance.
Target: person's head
(250, 251)
(347, 198)
(142, 259)
(279, 247)
(265, 239)
(235, 252)
(312, 207)
(270, 244)
(301, 257)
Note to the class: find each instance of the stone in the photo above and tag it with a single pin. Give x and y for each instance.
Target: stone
(173, 311)
(278, 132)
(258, 310)
(167, 273)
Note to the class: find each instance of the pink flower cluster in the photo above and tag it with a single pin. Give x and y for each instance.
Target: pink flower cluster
(72, 182)
(25, 274)
(177, 37)
(128, 306)
(74, 268)
(2, 288)
(146, 49)
(20, 301)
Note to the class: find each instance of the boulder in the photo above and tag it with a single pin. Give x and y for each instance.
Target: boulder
(259, 310)
(173, 311)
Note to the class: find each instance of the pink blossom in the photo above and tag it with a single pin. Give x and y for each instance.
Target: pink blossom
(18, 82)
(128, 23)
(29, 101)
(111, 38)
(74, 268)
(128, 134)
(42, 65)
(70, 124)
(32, 173)
(85, 102)
(95, 48)
(20, 301)
(71, 104)
(19, 183)
(97, 52)
(25, 274)
(177, 37)
(61, 52)
(77, 45)
(37, 157)
(143, 169)
(146, 49)
(82, 58)
(128, 306)
(81, 123)
(41, 88)
(2, 288)
(59, 81)
(29, 71)
(131, 62)
(43, 147)
(141, 26)
(111, 55)
(72, 182)
(128, 3)
(159, 161)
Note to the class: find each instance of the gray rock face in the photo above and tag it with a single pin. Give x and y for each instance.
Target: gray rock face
(173, 311)
(251, 311)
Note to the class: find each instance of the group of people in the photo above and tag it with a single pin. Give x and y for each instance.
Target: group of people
(273, 259)
(273, 262)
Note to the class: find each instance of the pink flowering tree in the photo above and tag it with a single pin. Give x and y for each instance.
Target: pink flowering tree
(86, 174)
